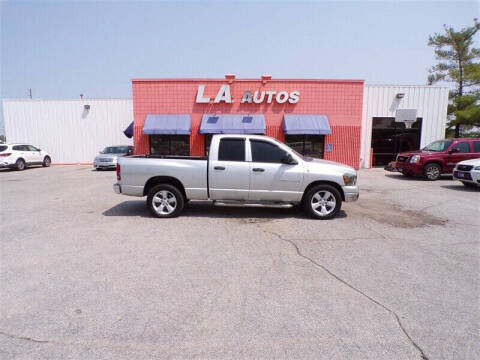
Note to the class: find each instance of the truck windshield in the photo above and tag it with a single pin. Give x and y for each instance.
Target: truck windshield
(115, 150)
(438, 146)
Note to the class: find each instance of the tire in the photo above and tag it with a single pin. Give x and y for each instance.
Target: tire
(469, 185)
(46, 161)
(161, 197)
(328, 199)
(20, 164)
(432, 171)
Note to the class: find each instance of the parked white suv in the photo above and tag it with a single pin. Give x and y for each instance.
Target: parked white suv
(468, 172)
(18, 156)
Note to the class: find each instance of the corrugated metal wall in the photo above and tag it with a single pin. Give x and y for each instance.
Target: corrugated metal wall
(65, 129)
(380, 101)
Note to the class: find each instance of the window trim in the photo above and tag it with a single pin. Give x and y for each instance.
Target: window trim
(461, 152)
(473, 146)
(233, 138)
(268, 142)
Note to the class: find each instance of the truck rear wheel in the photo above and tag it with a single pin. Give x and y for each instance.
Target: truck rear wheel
(165, 201)
(322, 202)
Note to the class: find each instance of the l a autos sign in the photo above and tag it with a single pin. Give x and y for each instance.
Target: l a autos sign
(258, 97)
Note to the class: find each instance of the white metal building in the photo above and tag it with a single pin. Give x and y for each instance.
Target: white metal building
(382, 101)
(72, 131)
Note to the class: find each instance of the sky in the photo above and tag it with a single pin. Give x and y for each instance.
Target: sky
(61, 49)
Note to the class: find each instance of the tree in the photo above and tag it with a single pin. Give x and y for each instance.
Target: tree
(456, 64)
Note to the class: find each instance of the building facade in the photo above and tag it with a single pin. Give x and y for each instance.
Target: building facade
(339, 120)
(383, 137)
(230, 100)
(72, 131)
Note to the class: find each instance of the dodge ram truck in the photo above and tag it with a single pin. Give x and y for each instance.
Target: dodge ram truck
(240, 170)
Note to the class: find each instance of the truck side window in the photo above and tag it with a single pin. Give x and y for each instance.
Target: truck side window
(263, 151)
(231, 150)
(462, 147)
(476, 146)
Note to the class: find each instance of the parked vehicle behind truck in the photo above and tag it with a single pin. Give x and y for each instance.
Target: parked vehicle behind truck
(240, 170)
(437, 158)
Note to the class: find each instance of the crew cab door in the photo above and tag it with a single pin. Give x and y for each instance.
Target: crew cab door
(460, 151)
(270, 178)
(229, 172)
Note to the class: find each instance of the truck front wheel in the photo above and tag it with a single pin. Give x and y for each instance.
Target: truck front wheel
(432, 171)
(165, 201)
(322, 202)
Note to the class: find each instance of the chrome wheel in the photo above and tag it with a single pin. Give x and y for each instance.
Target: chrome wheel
(432, 172)
(164, 202)
(323, 202)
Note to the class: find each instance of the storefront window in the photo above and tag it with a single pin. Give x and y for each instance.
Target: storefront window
(170, 145)
(309, 145)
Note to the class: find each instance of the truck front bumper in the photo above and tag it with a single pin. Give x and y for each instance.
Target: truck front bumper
(409, 168)
(351, 193)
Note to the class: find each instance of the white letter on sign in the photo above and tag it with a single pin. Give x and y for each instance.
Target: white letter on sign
(270, 96)
(223, 95)
(256, 99)
(200, 98)
(247, 97)
(294, 97)
(282, 97)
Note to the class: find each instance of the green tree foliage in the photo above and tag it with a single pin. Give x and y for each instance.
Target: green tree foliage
(456, 63)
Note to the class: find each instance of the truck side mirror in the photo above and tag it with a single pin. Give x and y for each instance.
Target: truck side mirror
(288, 159)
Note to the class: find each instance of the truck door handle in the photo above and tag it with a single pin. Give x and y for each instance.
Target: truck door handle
(219, 168)
(258, 169)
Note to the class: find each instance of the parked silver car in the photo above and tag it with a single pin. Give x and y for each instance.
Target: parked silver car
(108, 157)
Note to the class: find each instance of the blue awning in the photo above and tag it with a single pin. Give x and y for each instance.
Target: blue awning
(167, 124)
(129, 130)
(232, 124)
(297, 124)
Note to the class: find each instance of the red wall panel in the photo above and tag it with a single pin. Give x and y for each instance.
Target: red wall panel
(340, 100)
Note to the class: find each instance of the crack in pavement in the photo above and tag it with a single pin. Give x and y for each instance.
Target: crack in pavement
(26, 338)
(377, 302)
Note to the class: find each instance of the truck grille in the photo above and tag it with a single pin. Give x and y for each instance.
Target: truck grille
(464, 167)
(106, 160)
(402, 158)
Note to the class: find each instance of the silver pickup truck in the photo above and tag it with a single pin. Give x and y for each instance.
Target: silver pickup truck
(240, 170)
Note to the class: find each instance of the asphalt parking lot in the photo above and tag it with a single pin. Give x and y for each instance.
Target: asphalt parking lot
(88, 274)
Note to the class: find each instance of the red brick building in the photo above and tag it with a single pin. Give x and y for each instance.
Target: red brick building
(197, 101)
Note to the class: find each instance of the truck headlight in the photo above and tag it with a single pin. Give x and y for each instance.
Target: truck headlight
(349, 179)
(415, 159)
(476, 168)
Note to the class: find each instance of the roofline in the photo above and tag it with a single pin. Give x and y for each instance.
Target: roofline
(413, 86)
(65, 99)
(137, 80)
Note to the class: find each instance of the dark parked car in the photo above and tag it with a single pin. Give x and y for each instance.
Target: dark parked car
(439, 157)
